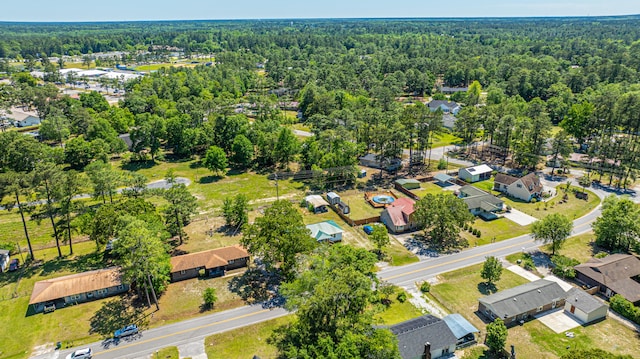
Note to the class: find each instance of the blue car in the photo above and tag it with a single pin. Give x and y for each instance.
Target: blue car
(126, 331)
(367, 229)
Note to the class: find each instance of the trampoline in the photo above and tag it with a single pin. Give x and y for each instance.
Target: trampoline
(383, 199)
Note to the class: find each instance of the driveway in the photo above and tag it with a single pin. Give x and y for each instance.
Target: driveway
(558, 320)
(520, 218)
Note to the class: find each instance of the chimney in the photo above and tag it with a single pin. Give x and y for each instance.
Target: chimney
(427, 351)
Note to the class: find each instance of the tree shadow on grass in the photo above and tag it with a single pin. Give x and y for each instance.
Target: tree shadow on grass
(210, 179)
(256, 285)
(116, 314)
(138, 165)
(487, 289)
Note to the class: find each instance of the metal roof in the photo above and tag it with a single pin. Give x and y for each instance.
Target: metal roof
(459, 326)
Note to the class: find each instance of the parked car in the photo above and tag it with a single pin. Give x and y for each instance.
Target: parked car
(14, 265)
(367, 229)
(126, 331)
(80, 354)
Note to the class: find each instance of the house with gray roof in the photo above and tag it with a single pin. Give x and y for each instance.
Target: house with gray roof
(446, 106)
(613, 274)
(422, 335)
(584, 307)
(480, 203)
(522, 302)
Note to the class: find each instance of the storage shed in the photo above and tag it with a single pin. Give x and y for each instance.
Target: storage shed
(333, 198)
(584, 306)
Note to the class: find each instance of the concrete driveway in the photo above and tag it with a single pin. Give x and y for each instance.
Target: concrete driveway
(520, 218)
(558, 320)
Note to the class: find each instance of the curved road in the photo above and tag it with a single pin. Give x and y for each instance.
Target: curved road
(149, 341)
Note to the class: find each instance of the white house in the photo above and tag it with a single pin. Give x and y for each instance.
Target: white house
(524, 188)
(475, 173)
(584, 306)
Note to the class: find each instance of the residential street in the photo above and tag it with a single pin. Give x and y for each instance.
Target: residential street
(194, 330)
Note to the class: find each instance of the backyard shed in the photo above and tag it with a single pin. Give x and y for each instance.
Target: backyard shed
(316, 203)
(333, 198)
(408, 183)
(584, 306)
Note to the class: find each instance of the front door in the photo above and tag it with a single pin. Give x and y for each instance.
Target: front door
(573, 309)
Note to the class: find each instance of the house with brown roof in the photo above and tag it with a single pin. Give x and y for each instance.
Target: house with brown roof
(525, 188)
(398, 216)
(77, 288)
(211, 263)
(613, 274)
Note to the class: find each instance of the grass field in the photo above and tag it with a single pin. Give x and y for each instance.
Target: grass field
(580, 247)
(245, 342)
(446, 139)
(573, 208)
(153, 67)
(486, 185)
(498, 229)
(360, 209)
(428, 188)
(167, 353)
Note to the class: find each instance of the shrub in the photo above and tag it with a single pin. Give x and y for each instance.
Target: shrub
(465, 227)
(563, 266)
(625, 308)
(601, 254)
(209, 297)
(534, 200)
(478, 233)
(471, 229)
(425, 287)
(442, 164)
(402, 297)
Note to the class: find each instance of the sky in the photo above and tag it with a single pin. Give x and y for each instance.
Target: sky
(127, 10)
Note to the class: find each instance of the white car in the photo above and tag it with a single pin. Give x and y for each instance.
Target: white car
(80, 354)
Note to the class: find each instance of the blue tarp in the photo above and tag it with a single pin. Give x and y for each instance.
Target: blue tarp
(459, 326)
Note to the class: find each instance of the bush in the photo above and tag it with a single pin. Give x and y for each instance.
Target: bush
(402, 297)
(563, 266)
(601, 254)
(478, 233)
(209, 297)
(625, 308)
(442, 164)
(465, 227)
(534, 200)
(425, 287)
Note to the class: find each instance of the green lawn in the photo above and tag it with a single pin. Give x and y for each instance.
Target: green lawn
(167, 353)
(399, 254)
(245, 342)
(498, 229)
(428, 188)
(360, 208)
(397, 312)
(573, 208)
(580, 247)
(69, 325)
(486, 185)
(458, 291)
(153, 67)
(446, 139)
(609, 335)
(300, 126)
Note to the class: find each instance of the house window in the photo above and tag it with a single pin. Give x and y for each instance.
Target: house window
(101, 291)
(231, 261)
(539, 309)
(183, 272)
(553, 304)
(120, 287)
(75, 297)
(519, 185)
(90, 295)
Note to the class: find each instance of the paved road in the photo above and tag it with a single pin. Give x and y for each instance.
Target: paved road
(439, 152)
(198, 328)
(302, 133)
(163, 184)
(150, 341)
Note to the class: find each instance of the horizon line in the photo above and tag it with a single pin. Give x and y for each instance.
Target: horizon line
(329, 18)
